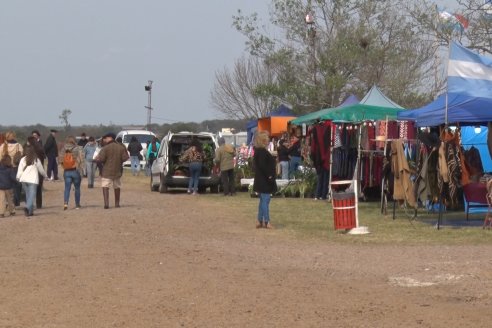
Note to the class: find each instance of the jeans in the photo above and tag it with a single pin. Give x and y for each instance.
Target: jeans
(264, 208)
(228, 182)
(91, 167)
(17, 188)
(135, 164)
(284, 169)
(195, 170)
(39, 192)
(52, 167)
(30, 191)
(322, 183)
(72, 177)
(295, 161)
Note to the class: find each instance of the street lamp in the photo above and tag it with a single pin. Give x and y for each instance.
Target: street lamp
(148, 88)
(311, 34)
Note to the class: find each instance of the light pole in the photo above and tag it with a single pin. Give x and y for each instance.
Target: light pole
(148, 88)
(311, 34)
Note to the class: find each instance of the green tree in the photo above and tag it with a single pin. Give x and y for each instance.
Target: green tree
(350, 46)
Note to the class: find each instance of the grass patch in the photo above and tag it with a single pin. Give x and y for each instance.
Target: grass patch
(309, 219)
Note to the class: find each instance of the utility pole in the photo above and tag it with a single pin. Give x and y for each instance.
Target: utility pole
(148, 88)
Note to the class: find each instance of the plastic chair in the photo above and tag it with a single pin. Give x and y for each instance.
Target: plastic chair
(475, 195)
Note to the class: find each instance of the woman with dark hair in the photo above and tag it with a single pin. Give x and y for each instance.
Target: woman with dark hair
(38, 149)
(28, 174)
(194, 156)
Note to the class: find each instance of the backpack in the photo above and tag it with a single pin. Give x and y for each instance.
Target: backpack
(68, 161)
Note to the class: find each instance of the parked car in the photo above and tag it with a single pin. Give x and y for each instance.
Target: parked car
(168, 172)
(143, 136)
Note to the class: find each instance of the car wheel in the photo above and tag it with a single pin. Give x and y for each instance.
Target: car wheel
(162, 186)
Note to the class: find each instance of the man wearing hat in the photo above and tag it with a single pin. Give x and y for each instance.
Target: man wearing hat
(112, 156)
(51, 152)
(224, 156)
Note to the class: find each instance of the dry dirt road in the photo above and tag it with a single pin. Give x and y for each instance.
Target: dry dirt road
(174, 260)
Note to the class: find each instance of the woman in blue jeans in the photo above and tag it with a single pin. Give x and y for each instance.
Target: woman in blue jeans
(194, 156)
(29, 170)
(264, 183)
(72, 159)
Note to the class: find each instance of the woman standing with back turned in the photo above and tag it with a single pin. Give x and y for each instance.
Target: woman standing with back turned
(264, 184)
(194, 156)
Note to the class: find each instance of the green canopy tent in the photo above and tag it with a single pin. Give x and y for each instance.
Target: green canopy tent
(361, 112)
(375, 106)
(314, 117)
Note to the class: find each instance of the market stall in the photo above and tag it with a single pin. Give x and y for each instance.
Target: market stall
(276, 122)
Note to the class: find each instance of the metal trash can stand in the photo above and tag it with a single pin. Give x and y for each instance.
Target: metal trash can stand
(344, 210)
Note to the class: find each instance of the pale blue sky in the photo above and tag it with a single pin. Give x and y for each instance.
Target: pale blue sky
(95, 57)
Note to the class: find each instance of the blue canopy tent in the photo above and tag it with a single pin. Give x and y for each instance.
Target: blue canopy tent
(461, 109)
(251, 127)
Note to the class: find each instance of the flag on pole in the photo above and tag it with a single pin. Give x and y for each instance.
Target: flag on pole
(469, 73)
(453, 21)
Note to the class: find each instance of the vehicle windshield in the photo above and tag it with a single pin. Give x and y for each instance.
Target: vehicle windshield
(142, 138)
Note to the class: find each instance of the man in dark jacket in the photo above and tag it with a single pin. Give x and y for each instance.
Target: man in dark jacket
(112, 156)
(134, 148)
(51, 152)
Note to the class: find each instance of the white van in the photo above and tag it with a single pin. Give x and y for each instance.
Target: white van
(169, 172)
(143, 136)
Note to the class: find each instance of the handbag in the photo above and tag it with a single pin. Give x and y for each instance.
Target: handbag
(96, 153)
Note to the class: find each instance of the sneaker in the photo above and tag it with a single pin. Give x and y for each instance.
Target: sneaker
(189, 191)
(26, 211)
(12, 213)
(77, 207)
(65, 207)
(259, 225)
(195, 193)
(268, 225)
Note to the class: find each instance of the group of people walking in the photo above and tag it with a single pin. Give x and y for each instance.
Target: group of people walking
(22, 167)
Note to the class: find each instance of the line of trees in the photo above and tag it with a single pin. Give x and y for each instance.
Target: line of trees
(350, 46)
(214, 126)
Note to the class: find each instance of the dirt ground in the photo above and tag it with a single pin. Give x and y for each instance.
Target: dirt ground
(151, 263)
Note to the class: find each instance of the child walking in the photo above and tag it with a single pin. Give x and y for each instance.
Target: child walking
(7, 183)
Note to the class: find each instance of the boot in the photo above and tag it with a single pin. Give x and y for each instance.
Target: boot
(117, 197)
(106, 197)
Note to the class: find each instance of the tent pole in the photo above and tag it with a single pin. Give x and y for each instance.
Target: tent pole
(332, 137)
